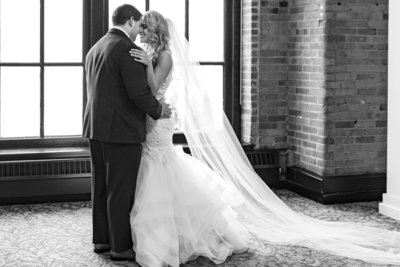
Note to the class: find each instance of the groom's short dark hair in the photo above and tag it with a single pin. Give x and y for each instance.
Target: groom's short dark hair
(123, 13)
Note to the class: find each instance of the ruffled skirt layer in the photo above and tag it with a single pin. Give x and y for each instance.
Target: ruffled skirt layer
(183, 210)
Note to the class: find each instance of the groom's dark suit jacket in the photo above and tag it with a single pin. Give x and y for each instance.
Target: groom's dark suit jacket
(117, 91)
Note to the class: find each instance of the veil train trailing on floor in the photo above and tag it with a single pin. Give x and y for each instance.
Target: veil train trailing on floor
(212, 141)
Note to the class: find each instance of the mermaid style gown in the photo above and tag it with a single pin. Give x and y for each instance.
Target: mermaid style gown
(182, 208)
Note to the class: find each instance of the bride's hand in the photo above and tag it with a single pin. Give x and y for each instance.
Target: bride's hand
(140, 56)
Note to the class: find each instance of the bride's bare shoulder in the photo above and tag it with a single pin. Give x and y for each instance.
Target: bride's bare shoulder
(164, 60)
(165, 55)
(166, 51)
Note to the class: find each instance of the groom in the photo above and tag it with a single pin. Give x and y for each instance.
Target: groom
(114, 121)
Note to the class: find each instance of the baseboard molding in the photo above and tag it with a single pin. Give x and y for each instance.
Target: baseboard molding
(326, 190)
(45, 190)
(390, 206)
(323, 189)
(270, 176)
(45, 199)
(335, 189)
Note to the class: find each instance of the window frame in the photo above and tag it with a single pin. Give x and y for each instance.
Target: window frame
(42, 141)
(95, 25)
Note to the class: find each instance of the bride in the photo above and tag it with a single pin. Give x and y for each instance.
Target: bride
(209, 204)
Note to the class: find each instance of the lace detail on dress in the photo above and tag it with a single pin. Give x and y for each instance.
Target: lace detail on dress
(159, 132)
(158, 142)
(163, 89)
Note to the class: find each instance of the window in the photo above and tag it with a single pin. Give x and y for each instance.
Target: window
(41, 68)
(42, 87)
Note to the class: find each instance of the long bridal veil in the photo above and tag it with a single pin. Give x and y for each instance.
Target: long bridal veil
(211, 140)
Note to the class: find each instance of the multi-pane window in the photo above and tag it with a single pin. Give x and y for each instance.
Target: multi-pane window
(43, 44)
(41, 68)
(202, 22)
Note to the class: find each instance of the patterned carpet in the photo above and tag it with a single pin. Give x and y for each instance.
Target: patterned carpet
(59, 234)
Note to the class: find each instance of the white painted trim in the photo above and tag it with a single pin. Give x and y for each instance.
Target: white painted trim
(390, 205)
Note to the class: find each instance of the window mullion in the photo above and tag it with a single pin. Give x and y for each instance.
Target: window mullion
(221, 63)
(41, 68)
(187, 19)
(87, 22)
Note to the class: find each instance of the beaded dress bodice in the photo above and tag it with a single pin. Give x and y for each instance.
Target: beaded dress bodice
(159, 132)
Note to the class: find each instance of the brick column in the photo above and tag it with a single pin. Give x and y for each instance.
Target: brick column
(314, 81)
(264, 70)
(337, 122)
(356, 85)
(306, 85)
(273, 64)
(250, 71)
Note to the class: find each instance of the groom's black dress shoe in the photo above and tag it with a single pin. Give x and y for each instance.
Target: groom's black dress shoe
(127, 255)
(101, 250)
(121, 259)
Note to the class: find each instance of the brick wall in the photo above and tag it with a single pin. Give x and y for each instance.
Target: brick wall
(264, 73)
(250, 68)
(356, 86)
(314, 80)
(273, 60)
(306, 84)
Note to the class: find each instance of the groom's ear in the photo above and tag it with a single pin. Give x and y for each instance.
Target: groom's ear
(131, 21)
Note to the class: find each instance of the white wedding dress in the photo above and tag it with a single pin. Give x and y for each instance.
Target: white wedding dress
(182, 208)
(187, 206)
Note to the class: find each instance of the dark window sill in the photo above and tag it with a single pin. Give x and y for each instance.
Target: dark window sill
(53, 148)
(43, 149)
(43, 153)
(62, 148)
(35, 143)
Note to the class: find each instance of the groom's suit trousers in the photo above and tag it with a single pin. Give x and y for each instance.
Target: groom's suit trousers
(114, 170)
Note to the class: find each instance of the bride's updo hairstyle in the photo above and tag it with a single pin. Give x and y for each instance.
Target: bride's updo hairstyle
(158, 34)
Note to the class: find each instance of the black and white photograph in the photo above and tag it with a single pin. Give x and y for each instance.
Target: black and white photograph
(199, 133)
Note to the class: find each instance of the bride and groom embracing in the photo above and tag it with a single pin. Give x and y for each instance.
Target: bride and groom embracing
(148, 196)
(161, 207)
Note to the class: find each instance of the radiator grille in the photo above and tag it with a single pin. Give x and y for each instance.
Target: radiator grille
(79, 166)
(43, 168)
(263, 159)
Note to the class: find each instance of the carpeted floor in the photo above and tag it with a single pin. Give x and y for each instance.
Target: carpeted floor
(59, 234)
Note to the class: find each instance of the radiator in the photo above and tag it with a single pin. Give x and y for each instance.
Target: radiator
(53, 168)
(266, 165)
(32, 181)
(45, 180)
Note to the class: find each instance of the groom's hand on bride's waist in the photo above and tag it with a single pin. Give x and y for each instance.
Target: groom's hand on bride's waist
(166, 111)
